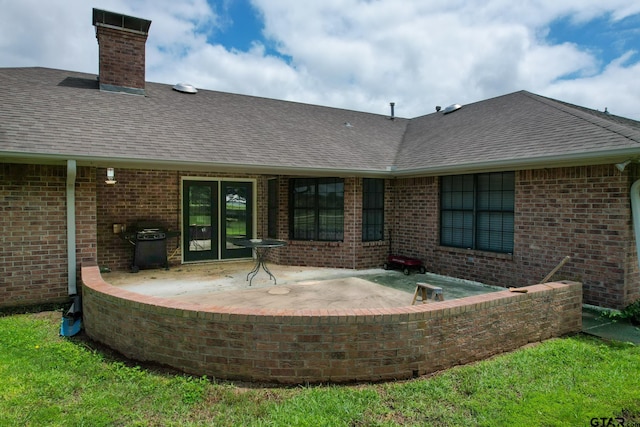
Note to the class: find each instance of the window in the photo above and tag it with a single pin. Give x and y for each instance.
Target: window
(272, 208)
(372, 209)
(317, 209)
(476, 211)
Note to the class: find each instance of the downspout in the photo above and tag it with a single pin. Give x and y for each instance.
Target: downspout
(71, 226)
(635, 212)
(355, 220)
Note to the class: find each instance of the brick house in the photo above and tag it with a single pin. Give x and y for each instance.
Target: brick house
(498, 191)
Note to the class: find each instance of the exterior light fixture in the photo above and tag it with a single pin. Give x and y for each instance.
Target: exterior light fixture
(621, 166)
(111, 176)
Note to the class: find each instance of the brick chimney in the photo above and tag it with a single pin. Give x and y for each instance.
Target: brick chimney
(121, 42)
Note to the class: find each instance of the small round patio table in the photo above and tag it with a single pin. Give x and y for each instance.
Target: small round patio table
(261, 247)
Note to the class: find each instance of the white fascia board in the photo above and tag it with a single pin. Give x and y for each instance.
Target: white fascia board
(572, 159)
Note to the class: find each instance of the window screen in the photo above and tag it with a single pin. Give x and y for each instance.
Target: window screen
(372, 209)
(317, 209)
(477, 211)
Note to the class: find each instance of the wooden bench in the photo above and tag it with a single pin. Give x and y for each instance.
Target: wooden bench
(423, 289)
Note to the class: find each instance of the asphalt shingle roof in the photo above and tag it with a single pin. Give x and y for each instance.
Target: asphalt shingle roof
(46, 113)
(513, 128)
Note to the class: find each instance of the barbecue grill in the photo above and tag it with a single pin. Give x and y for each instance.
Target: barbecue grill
(151, 250)
(150, 243)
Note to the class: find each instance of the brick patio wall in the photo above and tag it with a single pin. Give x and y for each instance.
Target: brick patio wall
(318, 346)
(33, 225)
(582, 212)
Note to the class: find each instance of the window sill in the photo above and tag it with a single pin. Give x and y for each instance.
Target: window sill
(314, 243)
(474, 252)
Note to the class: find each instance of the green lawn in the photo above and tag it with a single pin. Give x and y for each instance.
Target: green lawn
(46, 380)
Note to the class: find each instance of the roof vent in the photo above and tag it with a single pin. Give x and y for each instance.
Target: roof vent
(185, 88)
(451, 108)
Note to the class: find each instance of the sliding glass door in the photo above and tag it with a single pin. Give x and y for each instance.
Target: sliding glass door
(236, 212)
(200, 216)
(215, 213)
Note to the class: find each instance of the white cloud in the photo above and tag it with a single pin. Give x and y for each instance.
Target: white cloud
(51, 34)
(214, 67)
(425, 53)
(616, 88)
(353, 54)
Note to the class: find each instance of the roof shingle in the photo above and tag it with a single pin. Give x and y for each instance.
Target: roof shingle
(60, 114)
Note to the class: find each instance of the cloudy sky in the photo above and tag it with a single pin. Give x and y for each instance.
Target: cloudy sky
(358, 54)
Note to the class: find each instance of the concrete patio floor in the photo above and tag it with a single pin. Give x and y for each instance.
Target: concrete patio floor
(225, 284)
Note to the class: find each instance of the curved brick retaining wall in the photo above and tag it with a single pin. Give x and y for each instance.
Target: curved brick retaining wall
(313, 346)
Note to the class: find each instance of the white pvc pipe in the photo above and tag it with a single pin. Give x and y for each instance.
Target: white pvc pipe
(635, 212)
(71, 226)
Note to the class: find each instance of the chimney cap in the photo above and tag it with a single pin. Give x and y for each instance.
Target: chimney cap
(118, 20)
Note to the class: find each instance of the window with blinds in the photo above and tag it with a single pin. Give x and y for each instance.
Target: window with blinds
(272, 208)
(317, 209)
(372, 209)
(477, 211)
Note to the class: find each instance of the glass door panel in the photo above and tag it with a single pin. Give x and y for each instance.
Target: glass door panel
(200, 214)
(236, 202)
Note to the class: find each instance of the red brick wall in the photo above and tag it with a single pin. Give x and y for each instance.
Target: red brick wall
(315, 346)
(312, 253)
(86, 216)
(137, 196)
(372, 254)
(149, 195)
(583, 212)
(415, 228)
(121, 57)
(351, 252)
(33, 225)
(155, 195)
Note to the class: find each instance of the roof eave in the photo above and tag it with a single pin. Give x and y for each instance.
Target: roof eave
(540, 162)
(572, 159)
(115, 162)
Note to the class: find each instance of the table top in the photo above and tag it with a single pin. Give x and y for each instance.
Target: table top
(259, 243)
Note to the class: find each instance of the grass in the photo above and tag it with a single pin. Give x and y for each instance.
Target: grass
(47, 380)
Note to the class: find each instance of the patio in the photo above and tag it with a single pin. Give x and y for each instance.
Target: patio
(214, 324)
(225, 284)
